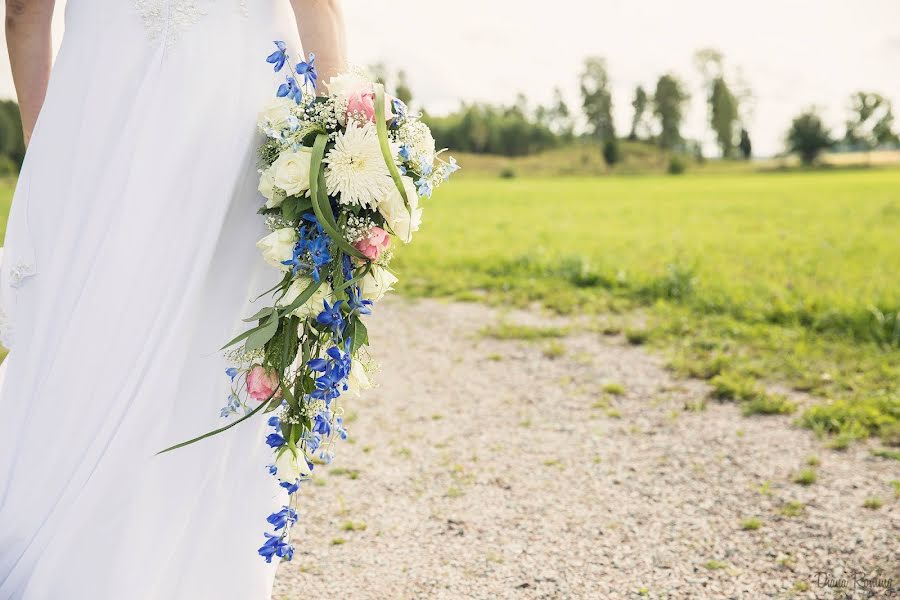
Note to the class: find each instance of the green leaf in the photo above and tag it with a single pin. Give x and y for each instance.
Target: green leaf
(261, 406)
(289, 208)
(357, 331)
(263, 334)
(242, 336)
(263, 313)
(303, 297)
(381, 129)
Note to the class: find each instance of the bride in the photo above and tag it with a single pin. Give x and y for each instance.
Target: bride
(129, 259)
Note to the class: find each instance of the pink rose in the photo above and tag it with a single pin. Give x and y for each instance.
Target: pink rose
(261, 383)
(362, 106)
(376, 242)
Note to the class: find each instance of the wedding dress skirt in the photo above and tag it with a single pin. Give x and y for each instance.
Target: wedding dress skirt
(129, 260)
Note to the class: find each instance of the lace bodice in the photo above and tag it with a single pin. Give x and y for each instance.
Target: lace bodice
(169, 18)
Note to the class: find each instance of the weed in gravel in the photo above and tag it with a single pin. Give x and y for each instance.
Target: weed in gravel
(896, 485)
(695, 405)
(751, 524)
(353, 526)
(454, 492)
(886, 453)
(554, 349)
(714, 565)
(511, 331)
(613, 413)
(768, 405)
(338, 541)
(637, 337)
(792, 509)
(813, 461)
(805, 477)
(729, 386)
(614, 389)
(342, 471)
(699, 367)
(873, 503)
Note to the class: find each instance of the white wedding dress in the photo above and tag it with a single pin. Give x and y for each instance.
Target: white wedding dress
(129, 260)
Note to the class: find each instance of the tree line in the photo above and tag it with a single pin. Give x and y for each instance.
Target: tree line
(658, 113)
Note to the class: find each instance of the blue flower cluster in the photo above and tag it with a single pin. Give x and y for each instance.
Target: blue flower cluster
(311, 251)
(306, 69)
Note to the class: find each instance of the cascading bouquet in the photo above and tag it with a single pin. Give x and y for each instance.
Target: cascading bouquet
(342, 175)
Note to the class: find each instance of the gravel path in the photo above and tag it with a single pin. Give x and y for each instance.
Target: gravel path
(482, 468)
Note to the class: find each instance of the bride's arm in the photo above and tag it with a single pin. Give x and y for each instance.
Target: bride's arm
(30, 55)
(321, 26)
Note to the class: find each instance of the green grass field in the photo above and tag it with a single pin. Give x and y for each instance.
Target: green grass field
(777, 278)
(744, 279)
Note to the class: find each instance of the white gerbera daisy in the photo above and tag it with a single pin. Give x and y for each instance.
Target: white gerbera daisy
(356, 168)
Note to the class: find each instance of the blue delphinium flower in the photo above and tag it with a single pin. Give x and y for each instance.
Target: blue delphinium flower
(276, 546)
(234, 403)
(404, 152)
(274, 440)
(307, 70)
(290, 89)
(272, 469)
(313, 441)
(400, 110)
(274, 422)
(290, 486)
(332, 317)
(322, 424)
(283, 518)
(424, 187)
(318, 254)
(232, 372)
(356, 303)
(279, 57)
(450, 168)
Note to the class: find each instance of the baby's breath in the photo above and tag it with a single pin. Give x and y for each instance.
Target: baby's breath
(357, 228)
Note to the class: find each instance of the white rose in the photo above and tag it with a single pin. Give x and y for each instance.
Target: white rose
(358, 379)
(397, 217)
(312, 307)
(276, 114)
(274, 197)
(292, 172)
(278, 247)
(377, 283)
(289, 467)
(349, 84)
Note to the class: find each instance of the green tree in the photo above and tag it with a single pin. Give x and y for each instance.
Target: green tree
(871, 123)
(402, 90)
(723, 115)
(611, 152)
(723, 103)
(639, 104)
(808, 136)
(596, 99)
(745, 146)
(668, 105)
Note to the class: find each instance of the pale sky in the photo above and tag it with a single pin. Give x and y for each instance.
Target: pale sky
(791, 53)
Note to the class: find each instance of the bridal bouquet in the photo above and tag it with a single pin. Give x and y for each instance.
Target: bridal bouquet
(342, 175)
